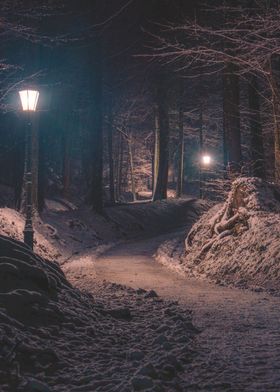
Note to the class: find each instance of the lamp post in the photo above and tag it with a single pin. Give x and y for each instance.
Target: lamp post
(29, 100)
(205, 161)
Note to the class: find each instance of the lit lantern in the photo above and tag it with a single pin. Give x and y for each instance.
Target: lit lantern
(29, 100)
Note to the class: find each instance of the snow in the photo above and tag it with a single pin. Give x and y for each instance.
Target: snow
(75, 332)
(235, 243)
(93, 335)
(12, 225)
(103, 337)
(65, 232)
(237, 348)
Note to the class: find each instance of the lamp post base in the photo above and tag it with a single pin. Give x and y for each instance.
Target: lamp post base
(28, 235)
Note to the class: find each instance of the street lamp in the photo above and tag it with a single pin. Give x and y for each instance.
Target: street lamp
(29, 100)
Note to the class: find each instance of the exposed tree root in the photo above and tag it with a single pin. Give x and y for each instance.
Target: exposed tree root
(237, 242)
(231, 219)
(53, 231)
(211, 242)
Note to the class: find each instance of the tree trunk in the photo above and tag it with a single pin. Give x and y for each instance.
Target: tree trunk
(201, 173)
(274, 81)
(131, 164)
(66, 164)
(257, 149)
(232, 135)
(276, 118)
(181, 147)
(119, 167)
(96, 115)
(163, 143)
(156, 151)
(110, 154)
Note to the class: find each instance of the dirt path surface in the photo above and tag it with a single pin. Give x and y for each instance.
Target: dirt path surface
(239, 346)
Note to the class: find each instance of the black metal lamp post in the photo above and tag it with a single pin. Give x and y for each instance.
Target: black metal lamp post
(29, 100)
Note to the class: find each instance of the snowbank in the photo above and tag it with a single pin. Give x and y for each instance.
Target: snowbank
(65, 232)
(57, 338)
(136, 220)
(12, 225)
(235, 243)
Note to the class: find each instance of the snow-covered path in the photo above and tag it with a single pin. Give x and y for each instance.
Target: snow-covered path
(239, 346)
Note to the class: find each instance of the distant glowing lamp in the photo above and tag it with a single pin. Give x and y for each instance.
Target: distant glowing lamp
(29, 100)
(206, 160)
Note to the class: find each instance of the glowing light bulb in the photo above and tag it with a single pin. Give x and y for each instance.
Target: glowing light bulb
(206, 160)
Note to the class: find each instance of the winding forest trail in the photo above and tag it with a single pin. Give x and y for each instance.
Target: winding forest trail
(239, 344)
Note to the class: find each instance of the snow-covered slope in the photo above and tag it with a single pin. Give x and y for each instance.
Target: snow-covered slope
(237, 242)
(12, 225)
(54, 337)
(64, 232)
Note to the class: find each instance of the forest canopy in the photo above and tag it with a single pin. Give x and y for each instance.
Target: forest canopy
(132, 94)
